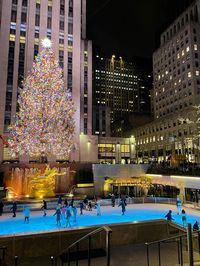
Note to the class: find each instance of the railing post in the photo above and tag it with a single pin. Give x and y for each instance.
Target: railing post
(77, 249)
(108, 247)
(190, 246)
(16, 260)
(159, 259)
(181, 251)
(4, 255)
(52, 260)
(178, 249)
(68, 254)
(147, 252)
(89, 251)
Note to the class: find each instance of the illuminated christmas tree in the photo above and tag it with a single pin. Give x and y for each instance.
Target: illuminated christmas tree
(44, 124)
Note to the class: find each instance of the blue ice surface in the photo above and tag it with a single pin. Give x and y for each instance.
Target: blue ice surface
(38, 223)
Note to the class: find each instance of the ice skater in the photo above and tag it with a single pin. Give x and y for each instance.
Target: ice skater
(123, 205)
(178, 205)
(68, 216)
(63, 213)
(196, 226)
(14, 208)
(98, 208)
(90, 206)
(44, 207)
(74, 211)
(26, 212)
(113, 200)
(81, 207)
(184, 218)
(58, 215)
(1, 207)
(169, 216)
(66, 202)
(60, 200)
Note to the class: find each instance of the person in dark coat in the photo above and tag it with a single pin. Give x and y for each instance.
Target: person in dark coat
(123, 205)
(1, 207)
(66, 203)
(81, 207)
(196, 226)
(60, 200)
(58, 215)
(113, 200)
(44, 207)
(72, 203)
(169, 215)
(14, 208)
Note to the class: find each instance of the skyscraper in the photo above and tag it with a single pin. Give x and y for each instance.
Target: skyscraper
(115, 90)
(24, 23)
(176, 71)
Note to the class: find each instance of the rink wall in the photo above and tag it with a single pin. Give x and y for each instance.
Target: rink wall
(51, 243)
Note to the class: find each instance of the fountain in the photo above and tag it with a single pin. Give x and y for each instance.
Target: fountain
(38, 181)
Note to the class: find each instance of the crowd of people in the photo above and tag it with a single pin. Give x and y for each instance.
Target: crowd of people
(66, 211)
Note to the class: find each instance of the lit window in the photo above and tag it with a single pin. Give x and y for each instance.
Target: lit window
(178, 56)
(195, 47)
(189, 75)
(197, 72)
(187, 49)
(183, 53)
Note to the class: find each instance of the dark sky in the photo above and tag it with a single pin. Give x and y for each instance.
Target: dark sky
(130, 27)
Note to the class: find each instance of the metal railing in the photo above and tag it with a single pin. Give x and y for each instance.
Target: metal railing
(105, 229)
(179, 241)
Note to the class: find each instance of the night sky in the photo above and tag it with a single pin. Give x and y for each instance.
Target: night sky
(130, 28)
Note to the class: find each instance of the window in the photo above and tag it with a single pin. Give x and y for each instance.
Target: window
(70, 28)
(13, 16)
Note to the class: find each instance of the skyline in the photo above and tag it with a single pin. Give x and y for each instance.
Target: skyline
(128, 37)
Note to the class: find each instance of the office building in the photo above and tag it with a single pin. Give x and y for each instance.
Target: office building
(175, 93)
(115, 85)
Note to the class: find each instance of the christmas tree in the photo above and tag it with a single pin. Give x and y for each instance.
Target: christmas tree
(44, 124)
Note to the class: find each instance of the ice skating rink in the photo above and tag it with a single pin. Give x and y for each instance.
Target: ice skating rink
(109, 215)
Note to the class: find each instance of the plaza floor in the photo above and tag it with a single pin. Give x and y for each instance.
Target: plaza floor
(109, 215)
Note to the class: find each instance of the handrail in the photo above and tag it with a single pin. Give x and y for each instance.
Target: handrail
(98, 230)
(165, 239)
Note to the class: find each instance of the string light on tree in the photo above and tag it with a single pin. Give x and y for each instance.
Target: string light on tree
(45, 122)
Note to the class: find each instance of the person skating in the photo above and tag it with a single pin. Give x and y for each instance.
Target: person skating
(14, 208)
(72, 203)
(63, 212)
(60, 200)
(44, 207)
(90, 206)
(1, 207)
(169, 216)
(123, 205)
(26, 214)
(98, 208)
(74, 211)
(58, 215)
(113, 200)
(184, 218)
(81, 207)
(196, 226)
(68, 216)
(66, 203)
(178, 205)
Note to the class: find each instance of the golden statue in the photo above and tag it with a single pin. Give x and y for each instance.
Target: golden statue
(43, 184)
